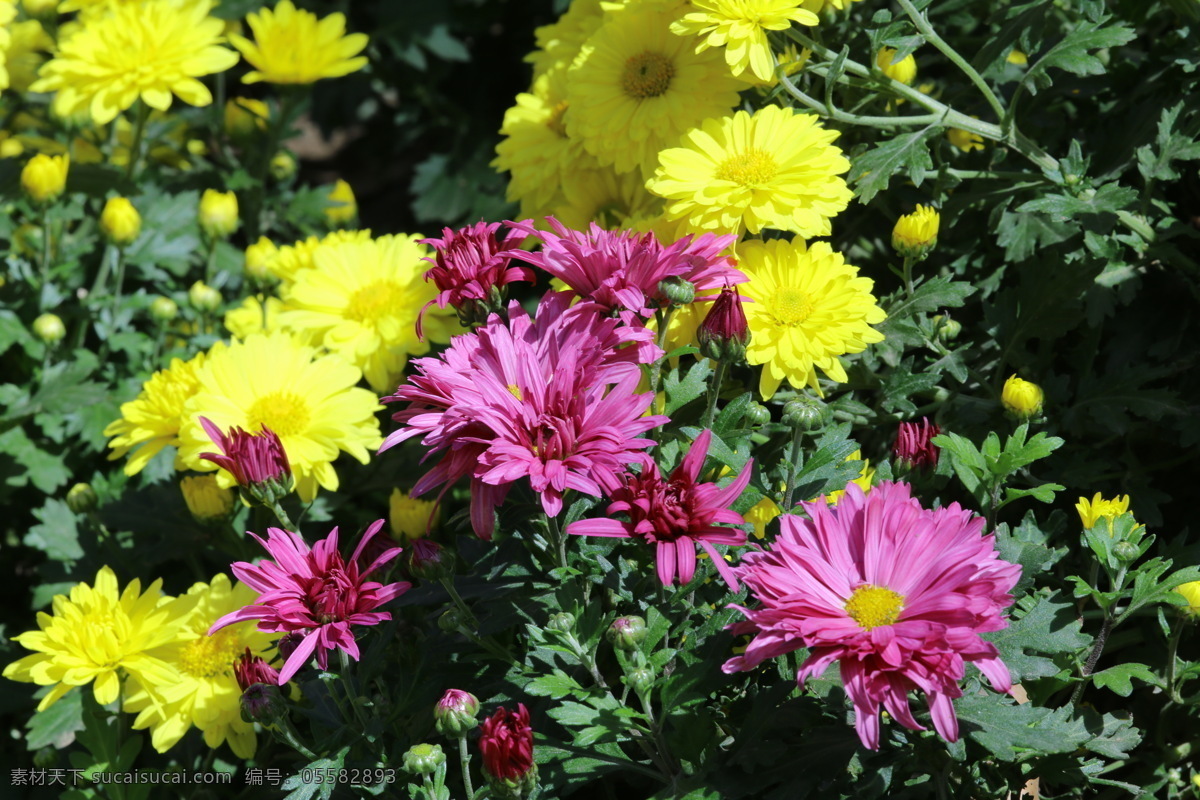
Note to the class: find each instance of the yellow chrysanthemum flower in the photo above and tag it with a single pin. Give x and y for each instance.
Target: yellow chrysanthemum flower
(636, 88)
(761, 514)
(775, 169)
(203, 692)
(343, 206)
(535, 150)
(96, 633)
(206, 501)
(8, 12)
(25, 53)
(1191, 593)
(916, 233)
(361, 301)
(293, 46)
(152, 420)
(740, 26)
(904, 70)
(1090, 512)
(147, 50)
(612, 200)
(310, 401)
(254, 316)
(809, 307)
(291, 259)
(865, 475)
(559, 43)
(1021, 398)
(409, 517)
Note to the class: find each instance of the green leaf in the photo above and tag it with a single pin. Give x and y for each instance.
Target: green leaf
(1026, 546)
(871, 172)
(1172, 146)
(1045, 493)
(1023, 234)
(57, 725)
(299, 790)
(45, 471)
(1109, 198)
(932, 295)
(693, 385)
(1013, 732)
(556, 685)
(1073, 55)
(965, 458)
(56, 535)
(1120, 678)
(1047, 626)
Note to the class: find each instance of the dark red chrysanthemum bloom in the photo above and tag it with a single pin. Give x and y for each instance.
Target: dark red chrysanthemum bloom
(251, 458)
(250, 669)
(507, 744)
(471, 269)
(914, 445)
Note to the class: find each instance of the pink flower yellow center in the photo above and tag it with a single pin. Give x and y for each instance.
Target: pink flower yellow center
(211, 656)
(282, 412)
(790, 306)
(874, 606)
(752, 168)
(647, 75)
(376, 300)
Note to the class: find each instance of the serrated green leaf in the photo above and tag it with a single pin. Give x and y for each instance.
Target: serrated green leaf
(871, 172)
(1072, 54)
(1012, 732)
(1047, 626)
(1119, 679)
(57, 725)
(299, 790)
(1109, 198)
(56, 535)
(693, 385)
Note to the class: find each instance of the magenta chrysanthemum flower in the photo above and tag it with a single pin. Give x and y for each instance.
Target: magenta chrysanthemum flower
(551, 400)
(914, 447)
(622, 270)
(506, 743)
(251, 458)
(896, 593)
(316, 593)
(472, 267)
(675, 515)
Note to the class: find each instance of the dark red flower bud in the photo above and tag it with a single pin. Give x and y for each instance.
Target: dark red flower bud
(914, 446)
(471, 269)
(506, 743)
(724, 334)
(250, 669)
(257, 461)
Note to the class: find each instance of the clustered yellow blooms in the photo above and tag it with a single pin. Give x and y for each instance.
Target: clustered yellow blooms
(1091, 511)
(740, 26)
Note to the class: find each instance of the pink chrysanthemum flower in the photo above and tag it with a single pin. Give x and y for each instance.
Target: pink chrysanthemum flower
(250, 669)
(550, 399)
(622, 269)
(316, 593)
(896, 593)
(472, 267)
(250, 458)
(675, 515)
(914, 447)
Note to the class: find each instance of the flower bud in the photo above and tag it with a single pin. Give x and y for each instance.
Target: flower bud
(904, 70)
(678, 291)
(451, 620)
(1021, 398)
(82, 498)
(207, 501)
(259, 258)
(283, 165)
(203, 297)
(428, 560)
(263, 703)
(724, 333)
(1191, 593)
(914, 447)
(218, 213)
(915, 235)
(1126, 551)
(250, 669)
(120, 222)
(562, 622)
(506, 743)
(44, 177)
(756, 414)
(410, 518)
(947, 329)
(163, 309)
(342, 208)
(49, 328)
(424, 759)
(245, 116)
(46, 757)
(626, 633)
(641, 679)
(456, 713)
(804, 413)
(288, 643)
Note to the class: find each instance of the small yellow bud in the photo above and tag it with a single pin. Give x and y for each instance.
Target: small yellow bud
(120, 221)
(245, 116)
(44, 177)
(1017, 57)
(409, 517)
(1191, 593)
(344, 208)
(10, 147)
(259, 257)
(49, 328)
(1090, 511)
(207, 501)
(916, 234)
(1021, 398)
(204, 297)
(82, 498)
(904, 70)
(163, 309)
(283, 166)
(964, 140)
(218, 213)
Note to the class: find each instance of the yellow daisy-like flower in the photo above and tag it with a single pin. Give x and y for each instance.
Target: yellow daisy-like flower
(612, 200)
(203, 692)
(206, 501)
(559, 43)
(409, 517)
(361, 301)
(865, 475)
(740, 26)
(310, 401)
(293, 46)
(1091, 511)
(254, 316)
(147, 50)
(775, 169)
(636, 88)
(809, 307)
(290, 260)
(536, 150)
(761, 514)
(25, 53)
(98, 632)
(152, 420)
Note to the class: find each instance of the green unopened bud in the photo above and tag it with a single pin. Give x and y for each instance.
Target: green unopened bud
(456, 713)
(49, 328)
(82, 498)
(641, 680)
(204, 297)
(947, 329)
(1126, 551)
(163, 309)
(424, 759)
(451, 620)
(626, 633)
(263, 703)
(804, 413)
(562, 622)
(46, 757)
(756, 414)
(679, 291)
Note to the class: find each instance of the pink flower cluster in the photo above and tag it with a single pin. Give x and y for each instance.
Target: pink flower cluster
(895, 593)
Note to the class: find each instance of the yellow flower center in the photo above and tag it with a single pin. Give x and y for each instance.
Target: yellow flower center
(374, 301)
(752, 168)
(515, 391)
(790, 306)
(555, 123)
(647, 75)
(211, 656)
(874, 606)
(283, 412)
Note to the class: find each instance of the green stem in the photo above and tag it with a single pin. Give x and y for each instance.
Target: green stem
(1172, 647)
(714, 391)
(282, 516)
(797, 436)
(210, 260)
(560, 539)
(908, 284)
(464, 761)
(287, 734)
(139, 131)
(659, 742)
(949, 52)
(44, 264)
(458, 601)
(350, 691)
(1094, 656)
(118, 285)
